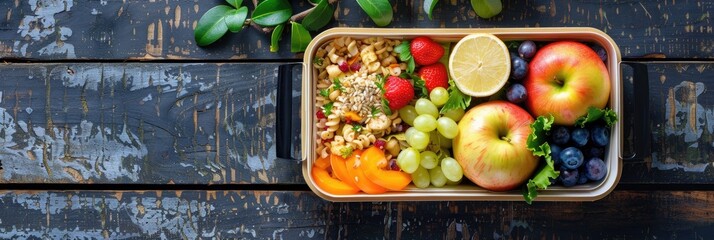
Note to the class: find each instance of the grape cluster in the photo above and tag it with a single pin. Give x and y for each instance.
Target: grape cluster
(579, 152)
(429, 127)
(516, 92)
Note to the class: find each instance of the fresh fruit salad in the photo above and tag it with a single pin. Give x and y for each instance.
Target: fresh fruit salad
(500, 115)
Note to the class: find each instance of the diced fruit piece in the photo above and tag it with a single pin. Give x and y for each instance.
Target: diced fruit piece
(572, 158)
(320, 115)
(417, 139)
(447, 127)
(353, 116)
(519, 68)
(398, 91)
(439, 96)
(569, 177)
(580, 136)
(393, 165)
(434, 76)
(424, 106)
(425, 51)
(421, 178)
(429, 160)
(374, 166)
(322, 163)
(425, 123)
(408, 160)
(359, 178)
(527, 49)
(343, 66)
(600, 135)
(437, 177)
(380, 144)
(355, 66)
(451, 169)
(408, 113)
(324, 181)
(560, 135)
(339, 168)
(516, 93)
(480, 64)
(595, 169)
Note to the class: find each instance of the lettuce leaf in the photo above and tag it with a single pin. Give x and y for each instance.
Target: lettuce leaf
(539, 147)
(594, 114)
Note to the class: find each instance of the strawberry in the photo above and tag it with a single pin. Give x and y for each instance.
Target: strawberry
(434, 75)
(398, 91)
(425, 51)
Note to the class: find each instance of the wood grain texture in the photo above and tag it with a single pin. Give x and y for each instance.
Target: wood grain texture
(281, 215)
(141, 123)
(137, 29)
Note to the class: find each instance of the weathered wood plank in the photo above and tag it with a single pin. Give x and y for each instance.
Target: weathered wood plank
(136, 29)
(141, 123)
(276, 215)
(156, 123)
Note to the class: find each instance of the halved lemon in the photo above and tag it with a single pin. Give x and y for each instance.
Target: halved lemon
(480, 64)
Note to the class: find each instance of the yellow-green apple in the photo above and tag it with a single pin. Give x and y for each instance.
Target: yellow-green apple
(491, 145)
(566, 78)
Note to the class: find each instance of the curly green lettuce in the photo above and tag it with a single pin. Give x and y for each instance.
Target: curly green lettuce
(537, 144)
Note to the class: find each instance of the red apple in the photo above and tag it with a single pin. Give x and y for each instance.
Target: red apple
(491, 145)
(564, 79)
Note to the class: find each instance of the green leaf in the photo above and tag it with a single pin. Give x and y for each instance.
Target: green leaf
(319, 17)
(594, 114)
(327, 108)
(420, 90)
(411, 65)
(429, 6)
(487, 8)
(212, 25)
(457, 99)
(380, 11)
(385, 107)
(235, 3)
(539, 147)
(299, 38)
(235, 19)
(275, 38)
(325, 93)
(539, 132)
(272, 13)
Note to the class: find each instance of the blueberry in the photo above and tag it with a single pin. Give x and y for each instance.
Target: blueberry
(580, 136)
(600, 135)
(519, 68)
(601, 52)
(527, 49)
(560, 135)
(595, 169)
(516, 93)
(571, 157)
(595, 152)
(582, 179)
(569, 177)
(555, 154)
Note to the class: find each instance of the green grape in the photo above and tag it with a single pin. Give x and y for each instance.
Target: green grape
(447, 127)
(408, 113)
(418, 139)
(425, 123)
(421, 178)
(437, 177)
(451, 169)
(424, 106)
(455, 114)
(429, 160)
(440, 140)
(439, 96)
(452, 183)
(408, 160)
(410, 132)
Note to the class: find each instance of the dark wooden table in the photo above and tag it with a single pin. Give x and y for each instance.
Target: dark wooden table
(114, 124)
